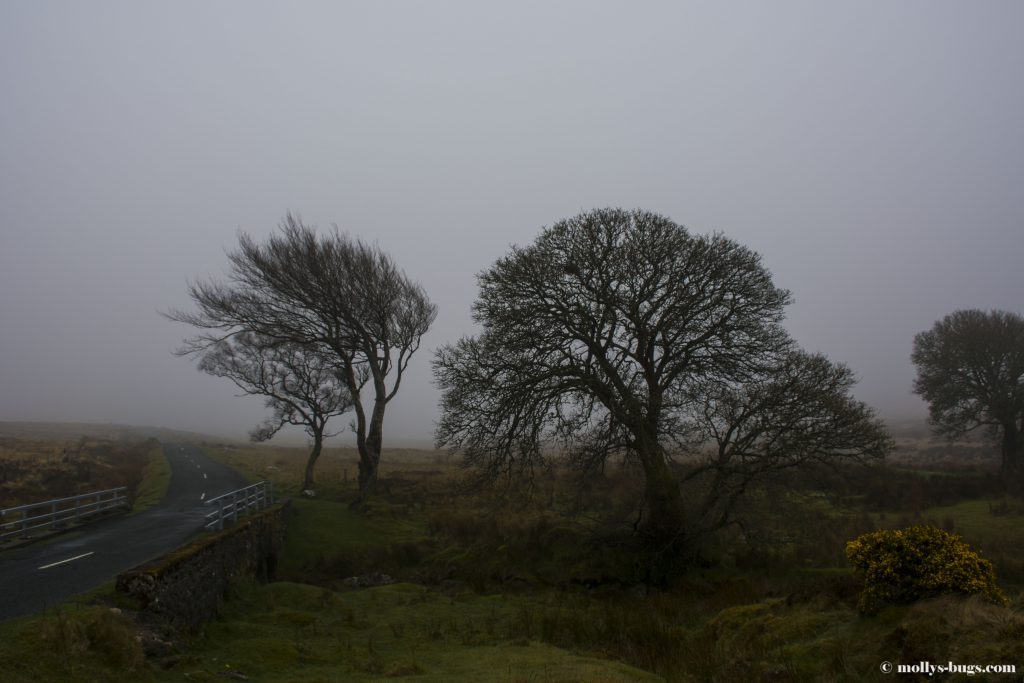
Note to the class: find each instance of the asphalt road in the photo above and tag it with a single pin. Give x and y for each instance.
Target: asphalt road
(42, 575)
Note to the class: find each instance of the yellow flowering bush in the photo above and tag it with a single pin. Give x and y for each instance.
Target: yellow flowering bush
(903, 565)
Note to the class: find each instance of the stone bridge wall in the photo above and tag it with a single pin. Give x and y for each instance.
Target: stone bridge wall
(186, 586)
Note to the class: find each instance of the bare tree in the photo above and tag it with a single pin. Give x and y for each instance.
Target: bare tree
(603, 339)
(970, 370)
(800, 411)
(302, 386)
(333, 293)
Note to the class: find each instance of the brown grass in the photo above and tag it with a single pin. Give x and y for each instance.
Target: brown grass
(38, 469)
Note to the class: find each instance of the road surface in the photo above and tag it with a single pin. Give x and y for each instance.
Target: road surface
(45, 574)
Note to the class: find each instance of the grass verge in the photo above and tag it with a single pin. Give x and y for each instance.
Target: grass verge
(156, 478)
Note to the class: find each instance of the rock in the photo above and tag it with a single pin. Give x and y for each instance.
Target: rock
(369, 580)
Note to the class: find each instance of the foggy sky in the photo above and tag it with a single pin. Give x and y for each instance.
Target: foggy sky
(872, 152)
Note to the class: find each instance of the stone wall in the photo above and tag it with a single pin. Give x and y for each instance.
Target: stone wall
(185, 587)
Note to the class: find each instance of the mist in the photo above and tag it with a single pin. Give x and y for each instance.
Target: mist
(872, 153)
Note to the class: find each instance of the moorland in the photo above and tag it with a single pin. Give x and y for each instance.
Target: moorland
(434, 580)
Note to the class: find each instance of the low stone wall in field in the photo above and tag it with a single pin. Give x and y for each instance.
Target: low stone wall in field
(185, 587)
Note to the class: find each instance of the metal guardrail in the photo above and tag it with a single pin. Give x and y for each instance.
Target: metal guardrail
(59, 512)
(240, 502)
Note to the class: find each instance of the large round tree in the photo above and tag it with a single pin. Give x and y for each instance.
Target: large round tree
(619, 333)
(970, 370)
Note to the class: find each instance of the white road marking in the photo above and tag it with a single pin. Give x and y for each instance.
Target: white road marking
(70, 559)
(203, 497)
(204, 475)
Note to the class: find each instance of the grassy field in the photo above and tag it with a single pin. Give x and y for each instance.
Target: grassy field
(37, 464)
(537, 585)
(779, 604)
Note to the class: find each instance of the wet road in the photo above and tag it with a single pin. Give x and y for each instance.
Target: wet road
(44, 574)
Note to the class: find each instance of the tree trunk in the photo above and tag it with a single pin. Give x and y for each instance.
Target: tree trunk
(663, 505)
(663, 508)
(369, 450)
(318, 442)
(662, 529)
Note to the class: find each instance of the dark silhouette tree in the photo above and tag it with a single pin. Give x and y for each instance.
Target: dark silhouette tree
(621, 334)
(798, 412)
(970, 370)
(301, 385)
(333, 293)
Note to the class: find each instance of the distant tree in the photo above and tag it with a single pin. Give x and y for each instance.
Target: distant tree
(334, 294)
(301, 385)
(970, 370)
(621, 334)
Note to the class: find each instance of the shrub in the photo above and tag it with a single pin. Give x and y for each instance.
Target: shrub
(105, 634)
(901, 566)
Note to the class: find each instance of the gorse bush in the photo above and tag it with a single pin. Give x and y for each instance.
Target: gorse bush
(901, 566)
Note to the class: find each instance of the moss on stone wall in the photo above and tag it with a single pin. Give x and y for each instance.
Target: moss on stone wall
(186, 586)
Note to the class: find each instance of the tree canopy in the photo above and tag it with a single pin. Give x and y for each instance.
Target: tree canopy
(332, 293)
(970, 370)
(620, 333)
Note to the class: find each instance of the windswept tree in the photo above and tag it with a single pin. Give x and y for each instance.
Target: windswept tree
(620, 334)
(970, 370)
(301, 385)
(333, 293)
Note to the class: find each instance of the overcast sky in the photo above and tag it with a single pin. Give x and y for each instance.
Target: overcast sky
(872, 152)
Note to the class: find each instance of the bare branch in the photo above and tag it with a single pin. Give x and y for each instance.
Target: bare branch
(603, 339)
(333, 295)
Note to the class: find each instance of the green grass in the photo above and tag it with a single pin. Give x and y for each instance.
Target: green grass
(974, 520)
(156, 478)
(78, 640)
(712, 632)
(327, 536)
(293, 632)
